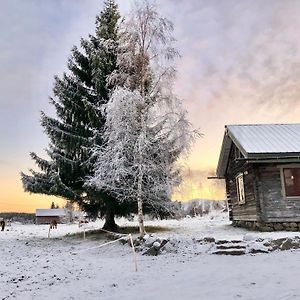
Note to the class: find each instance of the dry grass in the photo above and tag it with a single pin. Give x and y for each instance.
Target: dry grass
(98, 234)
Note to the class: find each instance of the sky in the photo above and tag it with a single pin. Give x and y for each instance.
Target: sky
(240, 64)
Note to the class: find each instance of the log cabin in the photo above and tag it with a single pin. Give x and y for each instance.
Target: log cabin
(261, 168)
(47, 216)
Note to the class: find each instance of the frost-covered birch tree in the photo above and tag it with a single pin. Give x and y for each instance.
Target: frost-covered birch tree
(146, 129)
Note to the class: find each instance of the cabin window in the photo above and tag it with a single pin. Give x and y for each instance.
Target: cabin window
(291, 178)
(240, 189)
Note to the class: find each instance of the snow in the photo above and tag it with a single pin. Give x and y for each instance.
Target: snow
(26, 232)
(33, 266)
(267, 138)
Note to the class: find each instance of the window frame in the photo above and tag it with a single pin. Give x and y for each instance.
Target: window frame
(238, 190)
(283, 189)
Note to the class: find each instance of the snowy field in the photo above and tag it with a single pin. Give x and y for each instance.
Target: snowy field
(36, 267)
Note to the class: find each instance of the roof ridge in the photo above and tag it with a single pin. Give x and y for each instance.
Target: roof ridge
(263, 124)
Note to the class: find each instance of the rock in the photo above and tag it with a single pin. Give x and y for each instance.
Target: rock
(285, 244)
(151, 251)
(114, 285)
(278, 227)
(285, 225)
(146, 236)
(260, 240)
(156, 245)
(258, 250)
(150, 241)
(289, 244)
(209, 240)
(291, 228)
(266, 229)
(275, 244)
(137, 242)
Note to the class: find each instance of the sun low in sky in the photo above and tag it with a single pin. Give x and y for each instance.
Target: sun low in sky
(240, 64)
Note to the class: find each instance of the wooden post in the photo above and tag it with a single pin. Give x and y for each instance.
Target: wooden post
(134, 254)
(49, 231)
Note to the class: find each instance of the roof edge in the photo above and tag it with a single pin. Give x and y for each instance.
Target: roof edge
(236, 142)
(224, 155)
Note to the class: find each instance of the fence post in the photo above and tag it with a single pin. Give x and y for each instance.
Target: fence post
(134, 254)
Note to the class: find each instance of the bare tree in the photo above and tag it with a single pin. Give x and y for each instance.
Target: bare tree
(146, 129)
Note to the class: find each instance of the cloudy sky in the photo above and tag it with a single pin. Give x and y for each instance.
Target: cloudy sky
(240, 64)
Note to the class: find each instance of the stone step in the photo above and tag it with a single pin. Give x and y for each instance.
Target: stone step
(231, 252)
(224, 247)
(220, 242)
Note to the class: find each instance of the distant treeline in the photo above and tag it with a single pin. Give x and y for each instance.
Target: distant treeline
(15, 216)
(200, 207)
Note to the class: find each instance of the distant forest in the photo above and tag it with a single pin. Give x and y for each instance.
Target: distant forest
(14, 216)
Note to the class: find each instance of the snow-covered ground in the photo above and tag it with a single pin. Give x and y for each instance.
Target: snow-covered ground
(33, 266)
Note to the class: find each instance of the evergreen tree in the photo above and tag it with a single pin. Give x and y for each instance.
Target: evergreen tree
(78, 96)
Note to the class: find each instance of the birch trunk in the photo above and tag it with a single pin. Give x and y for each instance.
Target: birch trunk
(141, 140)
(140, 211)
(140, 180)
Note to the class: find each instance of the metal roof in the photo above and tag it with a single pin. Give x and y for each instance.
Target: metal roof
(56, 212)
(269, 138)
(260, 141)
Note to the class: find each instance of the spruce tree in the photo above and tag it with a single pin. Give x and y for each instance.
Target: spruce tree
(78, 97)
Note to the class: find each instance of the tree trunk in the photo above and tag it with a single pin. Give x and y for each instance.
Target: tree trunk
(140, 175)
(140, 203)
(110, 223)
(141, 218)
(140, 180)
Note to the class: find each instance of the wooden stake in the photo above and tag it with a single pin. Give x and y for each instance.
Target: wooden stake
(134, 254)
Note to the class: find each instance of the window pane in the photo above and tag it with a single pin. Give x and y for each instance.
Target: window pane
(292, 182)
(240, 189)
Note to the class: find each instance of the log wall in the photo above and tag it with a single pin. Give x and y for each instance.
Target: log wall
(276, 208)
(249, 210)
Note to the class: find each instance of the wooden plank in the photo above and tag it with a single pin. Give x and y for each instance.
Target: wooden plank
(276, 206)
